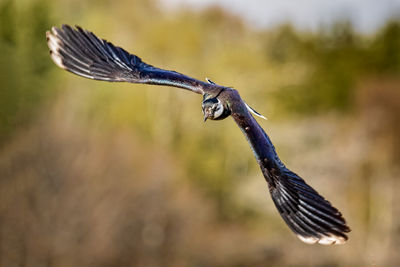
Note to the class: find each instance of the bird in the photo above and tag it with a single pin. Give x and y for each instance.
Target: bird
(309, 215)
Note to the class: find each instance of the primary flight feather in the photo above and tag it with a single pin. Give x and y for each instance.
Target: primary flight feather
(312, 218)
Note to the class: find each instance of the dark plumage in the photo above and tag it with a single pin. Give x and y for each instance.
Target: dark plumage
(308, 214)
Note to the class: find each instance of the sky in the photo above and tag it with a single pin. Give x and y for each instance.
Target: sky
(365, 15)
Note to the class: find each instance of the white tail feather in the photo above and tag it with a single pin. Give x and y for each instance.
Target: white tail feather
(254, 112)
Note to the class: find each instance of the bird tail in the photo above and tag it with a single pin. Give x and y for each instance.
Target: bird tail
(81, 52)
(308, 214)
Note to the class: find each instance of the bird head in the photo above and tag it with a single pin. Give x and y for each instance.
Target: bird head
(213, 109)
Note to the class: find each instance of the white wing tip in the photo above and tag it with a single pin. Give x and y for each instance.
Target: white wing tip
(324, 240)
(54, 46)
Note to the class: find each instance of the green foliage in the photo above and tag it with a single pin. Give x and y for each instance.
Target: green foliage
(383, 53)
(23, 64)
(336, 59)
(7, 23)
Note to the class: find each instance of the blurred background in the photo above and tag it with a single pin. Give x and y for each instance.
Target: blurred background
(102, 174)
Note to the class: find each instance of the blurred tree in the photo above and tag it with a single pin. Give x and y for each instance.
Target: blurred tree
(283, 45)
(384, 52)
(338, 59)
(333, 57)
(24, 63)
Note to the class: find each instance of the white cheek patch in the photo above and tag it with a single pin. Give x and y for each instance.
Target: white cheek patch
(219, 111)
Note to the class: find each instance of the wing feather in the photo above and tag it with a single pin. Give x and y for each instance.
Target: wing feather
(312, 218)
(306, 212)
(83, 53)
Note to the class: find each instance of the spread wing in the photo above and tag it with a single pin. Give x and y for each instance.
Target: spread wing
(307, 213)
(83, 53)
(312, 218)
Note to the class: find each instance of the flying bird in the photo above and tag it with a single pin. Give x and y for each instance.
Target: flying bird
(309, 215)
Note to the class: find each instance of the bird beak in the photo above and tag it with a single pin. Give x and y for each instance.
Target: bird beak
(205, 117)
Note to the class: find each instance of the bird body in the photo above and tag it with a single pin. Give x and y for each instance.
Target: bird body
(312, 218)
